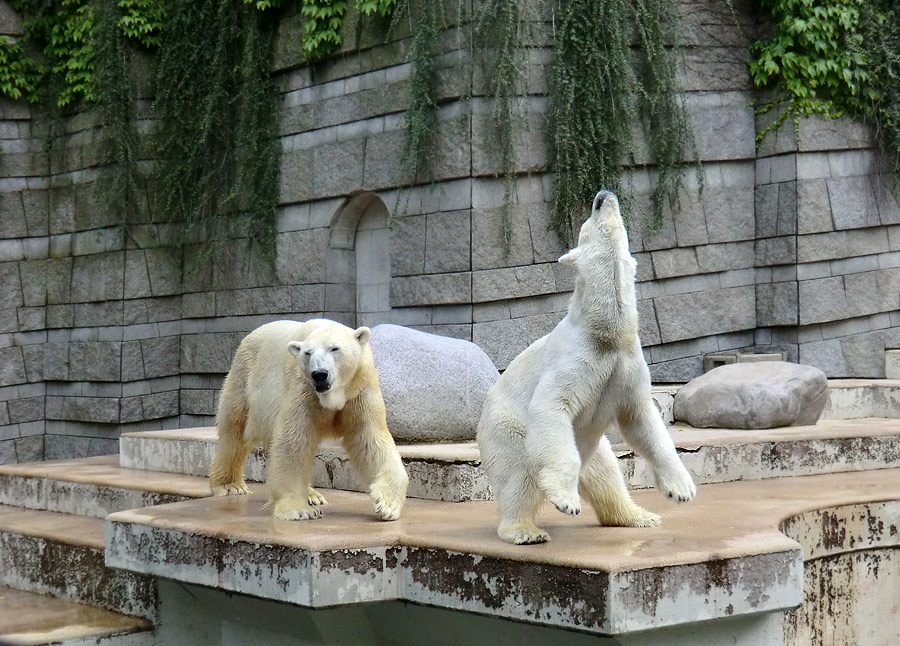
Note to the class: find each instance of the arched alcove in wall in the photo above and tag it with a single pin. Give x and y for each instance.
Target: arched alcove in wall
(359, 262)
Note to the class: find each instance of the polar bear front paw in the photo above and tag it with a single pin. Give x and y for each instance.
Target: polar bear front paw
(387, 500)
(522, 534)
(316, 499)
(568, 503)
(231, 489)
(675, 482)
(291, 510)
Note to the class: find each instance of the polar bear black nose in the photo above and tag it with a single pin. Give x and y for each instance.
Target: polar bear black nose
(319, 376)
(600, 198)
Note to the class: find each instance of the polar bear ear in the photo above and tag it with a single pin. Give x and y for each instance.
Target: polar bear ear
(295, 348)
(362, 334)
(570, 258)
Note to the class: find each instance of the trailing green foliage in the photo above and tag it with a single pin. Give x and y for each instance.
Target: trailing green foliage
(421, 110)
(813, 60)
(601, 86)
(323, 21)
(218, 154)
(498, 37)
(142, 21)
(19, 73)
(880, 28)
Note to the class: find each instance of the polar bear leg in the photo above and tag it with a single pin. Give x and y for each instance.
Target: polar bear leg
(290, 469)
(642, 427)
(518, 498)
(553, 456)
(375, 457)
(603, 484)
(226, 474)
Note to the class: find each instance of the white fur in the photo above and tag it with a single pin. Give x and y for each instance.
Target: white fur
(542, 427)
(269, 399)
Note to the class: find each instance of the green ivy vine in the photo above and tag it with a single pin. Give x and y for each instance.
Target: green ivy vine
(830, 58)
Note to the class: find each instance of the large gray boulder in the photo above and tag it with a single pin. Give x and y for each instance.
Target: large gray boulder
(433, 386)
(753, 395)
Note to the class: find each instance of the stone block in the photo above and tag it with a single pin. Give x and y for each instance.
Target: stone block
(872, 292)
(35, 203)
(725, 257)
(337, 168)
(98, 314)
(864, 354)
(13, 223)
(648, 329)
(729, 213)
(8, 452)
(199, 304)
(892, 364)
(164, 269)
(384, 168)
(514, 282)
(12, 366)
(433, 386)
(503, 340)
(674, 262)
(724, 132)
(776, 304)
(453, 149)
(758, 395)
(301, 256)
(822, 300)
(853, 203)
(842, 244)
(447, 242)
(161, 357)
(435, 289)
(207, 353)
(817, 133)
(296, 176)
(100, 361)
(34, 362)
(308, 298)
(159, 405)
(687, 316)
(102, 410)
(132, 361)
(776, 251)
(98, 277)
(198, 402)
(813, 207)
(676, 371)
(30, 449)
(28, 409)
(56, 361)
(689, 219)
(234, 302)
(408, 245)
(490, 247)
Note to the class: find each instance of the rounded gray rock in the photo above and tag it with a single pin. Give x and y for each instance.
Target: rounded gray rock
(765, 394)
(433, 386)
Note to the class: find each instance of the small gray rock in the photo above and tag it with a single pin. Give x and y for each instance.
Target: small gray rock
(433, 386)
(753, 395)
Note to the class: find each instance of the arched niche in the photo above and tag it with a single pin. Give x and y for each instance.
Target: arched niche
(359, 263)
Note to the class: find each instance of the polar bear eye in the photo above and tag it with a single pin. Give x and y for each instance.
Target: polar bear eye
(308, 353)
(335, 349)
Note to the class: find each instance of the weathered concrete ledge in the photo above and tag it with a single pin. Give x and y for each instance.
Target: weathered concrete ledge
(27, 618)
(94, 486)
(62, 555)
(452, 472)
(601, 580)
(858, 398)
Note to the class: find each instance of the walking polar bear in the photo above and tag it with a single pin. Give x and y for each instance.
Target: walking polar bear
(290, 385)
(541, 432)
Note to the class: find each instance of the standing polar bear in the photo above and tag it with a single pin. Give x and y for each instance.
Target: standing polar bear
(290, 385)
(542, 427)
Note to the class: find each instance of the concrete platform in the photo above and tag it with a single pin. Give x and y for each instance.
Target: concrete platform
(28, 619)
(62, 555)
(719, 556)
(452, 472)
(93, 486)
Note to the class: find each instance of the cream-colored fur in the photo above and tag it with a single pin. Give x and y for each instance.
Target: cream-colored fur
(270, 399)
(542, 427)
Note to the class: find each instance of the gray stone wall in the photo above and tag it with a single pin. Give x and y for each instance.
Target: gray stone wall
(789, 247)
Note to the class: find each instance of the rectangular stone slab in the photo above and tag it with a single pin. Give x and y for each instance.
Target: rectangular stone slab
(452, 472)
(28, 618)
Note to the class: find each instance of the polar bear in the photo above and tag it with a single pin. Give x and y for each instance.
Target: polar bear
(290, 385)
(541, 431)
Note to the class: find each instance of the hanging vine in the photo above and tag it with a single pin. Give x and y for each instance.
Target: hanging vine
(598, 93)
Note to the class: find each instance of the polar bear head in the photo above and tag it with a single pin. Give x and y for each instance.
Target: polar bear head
(602, 236)
(329, 358)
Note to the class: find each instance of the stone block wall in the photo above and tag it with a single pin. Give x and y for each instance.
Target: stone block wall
(789, 247)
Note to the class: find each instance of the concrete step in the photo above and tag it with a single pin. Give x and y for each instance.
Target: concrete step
(62, 555)
(94, 486)
(722, 555)
(28, 619)
(452, 472)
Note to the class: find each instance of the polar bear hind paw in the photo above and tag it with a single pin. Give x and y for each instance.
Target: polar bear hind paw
(316, 499)
(231, 489)
(644, 518)
(676, 483)
(298, 514)
(523, 534)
